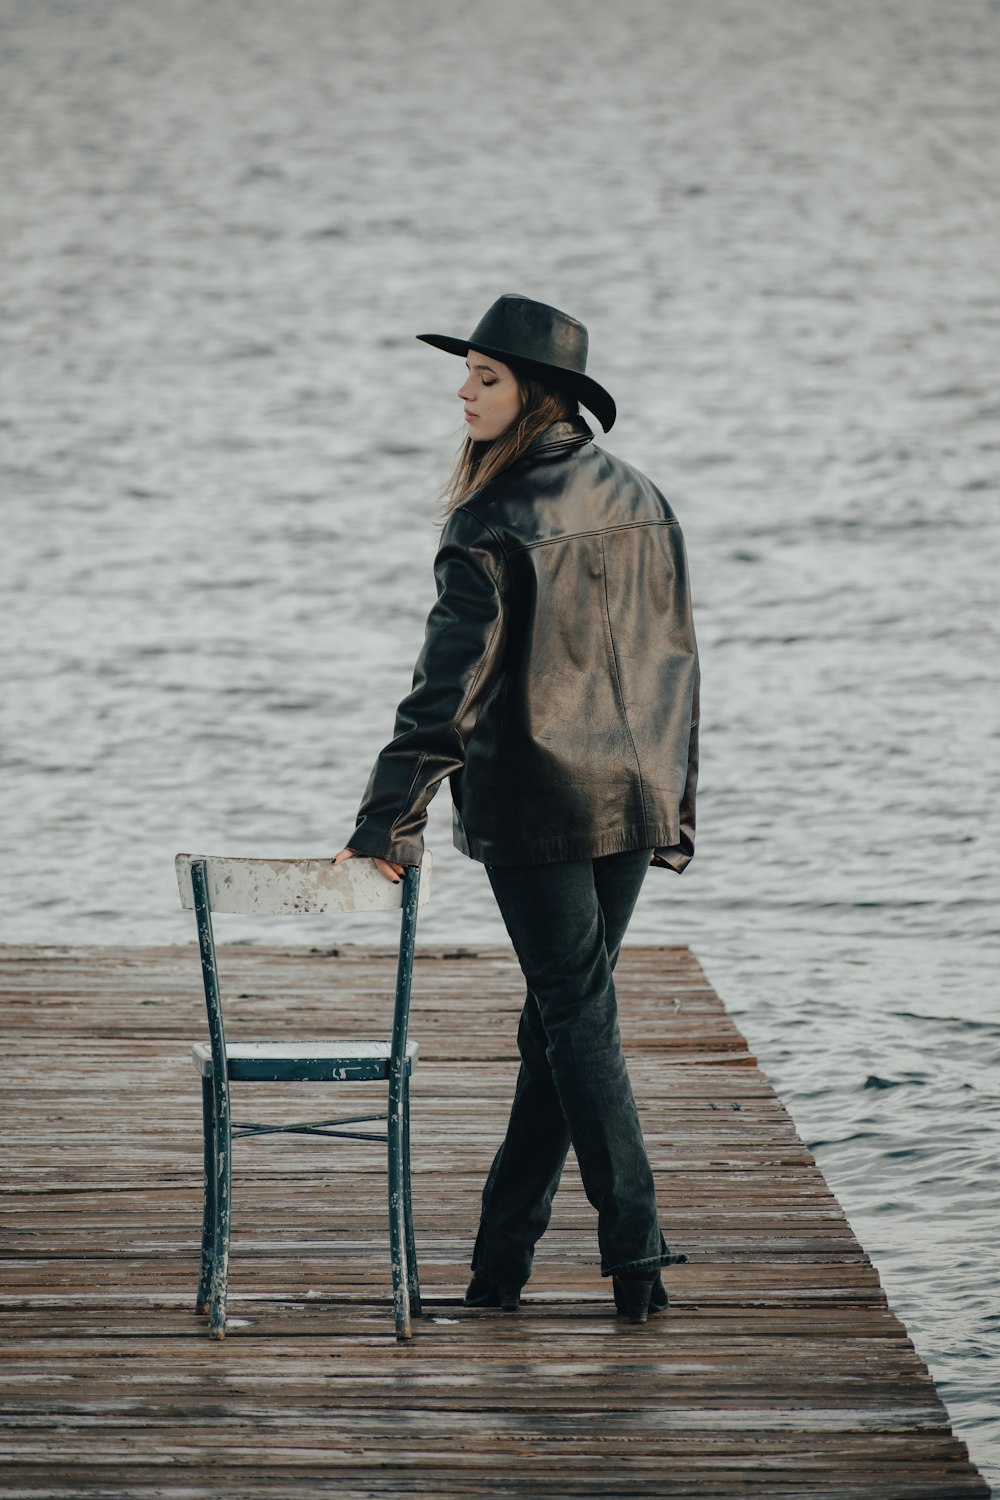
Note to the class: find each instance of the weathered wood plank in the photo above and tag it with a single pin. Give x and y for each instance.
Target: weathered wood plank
(778, 1370)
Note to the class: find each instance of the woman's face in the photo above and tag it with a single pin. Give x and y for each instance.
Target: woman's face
(491, 397)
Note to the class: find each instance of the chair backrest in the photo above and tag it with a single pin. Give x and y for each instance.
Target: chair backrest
(275, 887)
(294, 887)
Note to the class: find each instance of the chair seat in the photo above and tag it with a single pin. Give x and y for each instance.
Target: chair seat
(292, 1062)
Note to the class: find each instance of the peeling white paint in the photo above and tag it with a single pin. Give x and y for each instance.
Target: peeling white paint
(290, 887)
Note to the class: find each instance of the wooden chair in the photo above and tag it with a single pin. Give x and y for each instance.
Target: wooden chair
(209, 883)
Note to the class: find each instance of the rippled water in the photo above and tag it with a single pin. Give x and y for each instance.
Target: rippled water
(222, 224)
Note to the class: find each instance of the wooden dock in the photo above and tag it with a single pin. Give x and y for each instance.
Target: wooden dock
(778, 1371)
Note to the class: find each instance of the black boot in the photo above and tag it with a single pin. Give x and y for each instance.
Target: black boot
(484, 1293)
(637, 1296)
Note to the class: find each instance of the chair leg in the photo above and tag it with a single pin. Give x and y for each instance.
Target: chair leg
(412, 1274)
(208, 1210)
(223, 1204)
(397, 1228)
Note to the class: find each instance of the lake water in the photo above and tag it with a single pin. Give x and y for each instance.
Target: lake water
(221, 225)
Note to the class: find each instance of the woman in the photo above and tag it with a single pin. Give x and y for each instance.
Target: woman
(558, 689)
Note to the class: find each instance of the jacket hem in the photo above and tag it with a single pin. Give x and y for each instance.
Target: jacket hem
(660, 839)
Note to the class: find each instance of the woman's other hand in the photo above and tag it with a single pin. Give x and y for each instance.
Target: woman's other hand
(391, 872)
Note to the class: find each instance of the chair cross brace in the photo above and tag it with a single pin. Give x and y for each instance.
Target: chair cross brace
(243, 1128)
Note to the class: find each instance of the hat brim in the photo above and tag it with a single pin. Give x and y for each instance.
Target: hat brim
(591, 395)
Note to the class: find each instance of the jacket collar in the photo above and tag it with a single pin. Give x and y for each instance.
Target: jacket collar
(560, 438)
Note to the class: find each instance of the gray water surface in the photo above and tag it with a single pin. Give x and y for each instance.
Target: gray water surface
(221, 225)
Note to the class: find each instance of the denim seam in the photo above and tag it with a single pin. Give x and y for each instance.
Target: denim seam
(648, 1263)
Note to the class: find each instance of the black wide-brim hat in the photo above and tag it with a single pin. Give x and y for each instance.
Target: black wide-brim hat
(540, 340)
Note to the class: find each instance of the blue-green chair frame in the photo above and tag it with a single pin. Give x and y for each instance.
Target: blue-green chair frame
(344, 1062)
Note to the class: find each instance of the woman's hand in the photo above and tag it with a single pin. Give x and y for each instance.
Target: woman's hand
(391, 872)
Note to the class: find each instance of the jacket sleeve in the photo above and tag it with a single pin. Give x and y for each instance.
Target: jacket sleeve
(680, 855)
(461, 656)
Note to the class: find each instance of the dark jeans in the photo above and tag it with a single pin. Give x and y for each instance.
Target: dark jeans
(567, 922)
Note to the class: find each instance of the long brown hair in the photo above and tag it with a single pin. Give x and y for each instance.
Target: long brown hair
(478, 463)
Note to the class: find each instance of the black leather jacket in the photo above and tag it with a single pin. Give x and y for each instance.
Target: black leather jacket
(558, 681)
